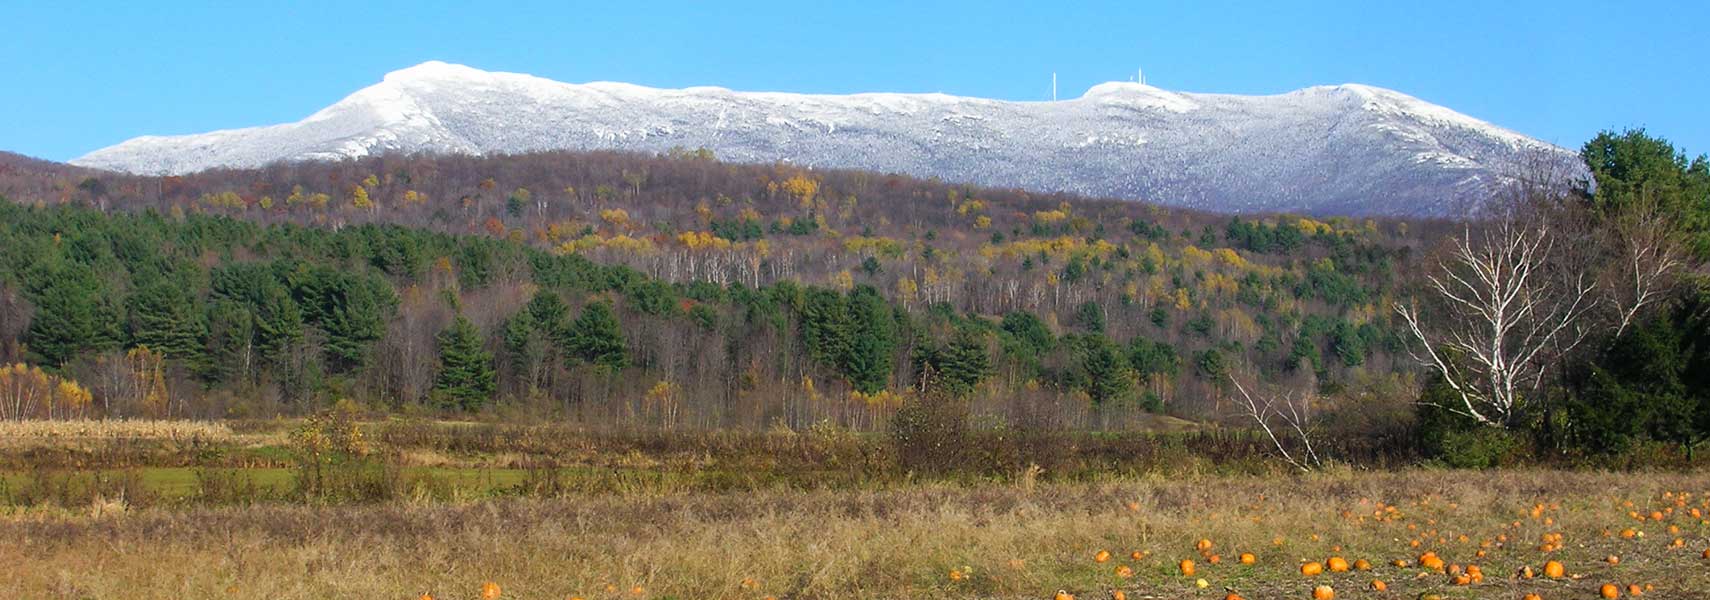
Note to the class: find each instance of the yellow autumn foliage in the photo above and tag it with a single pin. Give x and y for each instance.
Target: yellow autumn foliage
(702, 240)
(1048, 217)
(28, 392)
(881, 245)
(617, 242)
(616, 216)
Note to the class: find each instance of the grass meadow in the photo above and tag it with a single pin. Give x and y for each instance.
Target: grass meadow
(541, 513)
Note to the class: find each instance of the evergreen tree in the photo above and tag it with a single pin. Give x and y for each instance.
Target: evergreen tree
(1633, 167)
(549, 314)
(1090, 316)
(71, 316)
(1652, 383)
(466, 378)
(230, 352)
(825, 326)
(1104, 374)
(533, 332)
(1211, 365)
(164, 317)
(596, 338)
(870, 360)
(1029, 332)
(351, 310)
(1350, 347)
(270, 327)
(1148, 358)
(961, 364)
(522, 339)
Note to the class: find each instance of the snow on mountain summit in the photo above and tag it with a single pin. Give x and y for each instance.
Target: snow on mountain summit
(1346, 149)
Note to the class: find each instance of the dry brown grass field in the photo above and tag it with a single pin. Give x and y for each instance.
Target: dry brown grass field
(1017, 538)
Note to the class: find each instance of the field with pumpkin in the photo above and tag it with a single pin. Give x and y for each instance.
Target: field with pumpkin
(772, 516)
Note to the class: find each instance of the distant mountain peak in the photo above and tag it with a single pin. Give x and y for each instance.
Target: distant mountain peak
(1348, 149)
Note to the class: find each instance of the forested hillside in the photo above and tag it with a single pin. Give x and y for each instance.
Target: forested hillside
(676, 290)
(742, 293)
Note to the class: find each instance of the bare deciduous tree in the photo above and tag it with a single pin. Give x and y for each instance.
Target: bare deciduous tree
(1649, 252)
(1503, 300)
(1285, 410)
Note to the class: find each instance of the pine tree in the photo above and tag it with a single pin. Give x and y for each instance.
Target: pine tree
(549, 314)
(70, 317)
(1090, 316)
(825, 326)
(466, 377)
(1107, 376)
(961, 364)
(351, 310)
(873, 341)
(230, 352)
(596, 338)
(164, 317)
(1148, 358)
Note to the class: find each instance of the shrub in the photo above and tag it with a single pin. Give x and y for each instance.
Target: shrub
(930, 431)
(1480, 448)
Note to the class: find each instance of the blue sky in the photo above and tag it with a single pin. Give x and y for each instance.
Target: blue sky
(82, 75)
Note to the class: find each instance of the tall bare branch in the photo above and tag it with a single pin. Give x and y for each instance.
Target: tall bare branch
(1498, 308)
(1291, 411)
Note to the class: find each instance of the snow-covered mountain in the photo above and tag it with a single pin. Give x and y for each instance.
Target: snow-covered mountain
(1346, 149)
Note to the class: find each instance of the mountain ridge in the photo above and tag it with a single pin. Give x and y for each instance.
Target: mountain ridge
(1345, 149)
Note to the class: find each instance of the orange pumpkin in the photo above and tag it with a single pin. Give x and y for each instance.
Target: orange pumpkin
(1233, 596)
(1247, 558)
(1379, 586)
(1311, 569)
(1532, 597)
(1609, 591)
(1362, 565)
(1102, 556)
(1203, 545)
(1323, 592)
(1063, 595)
(1124, 572)
(489, 591)
(1118, 595)
(1614, 560)
(1187, 567)
(1633, 589)
(1337, 564)
(1554, 570)
(1430, 560)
